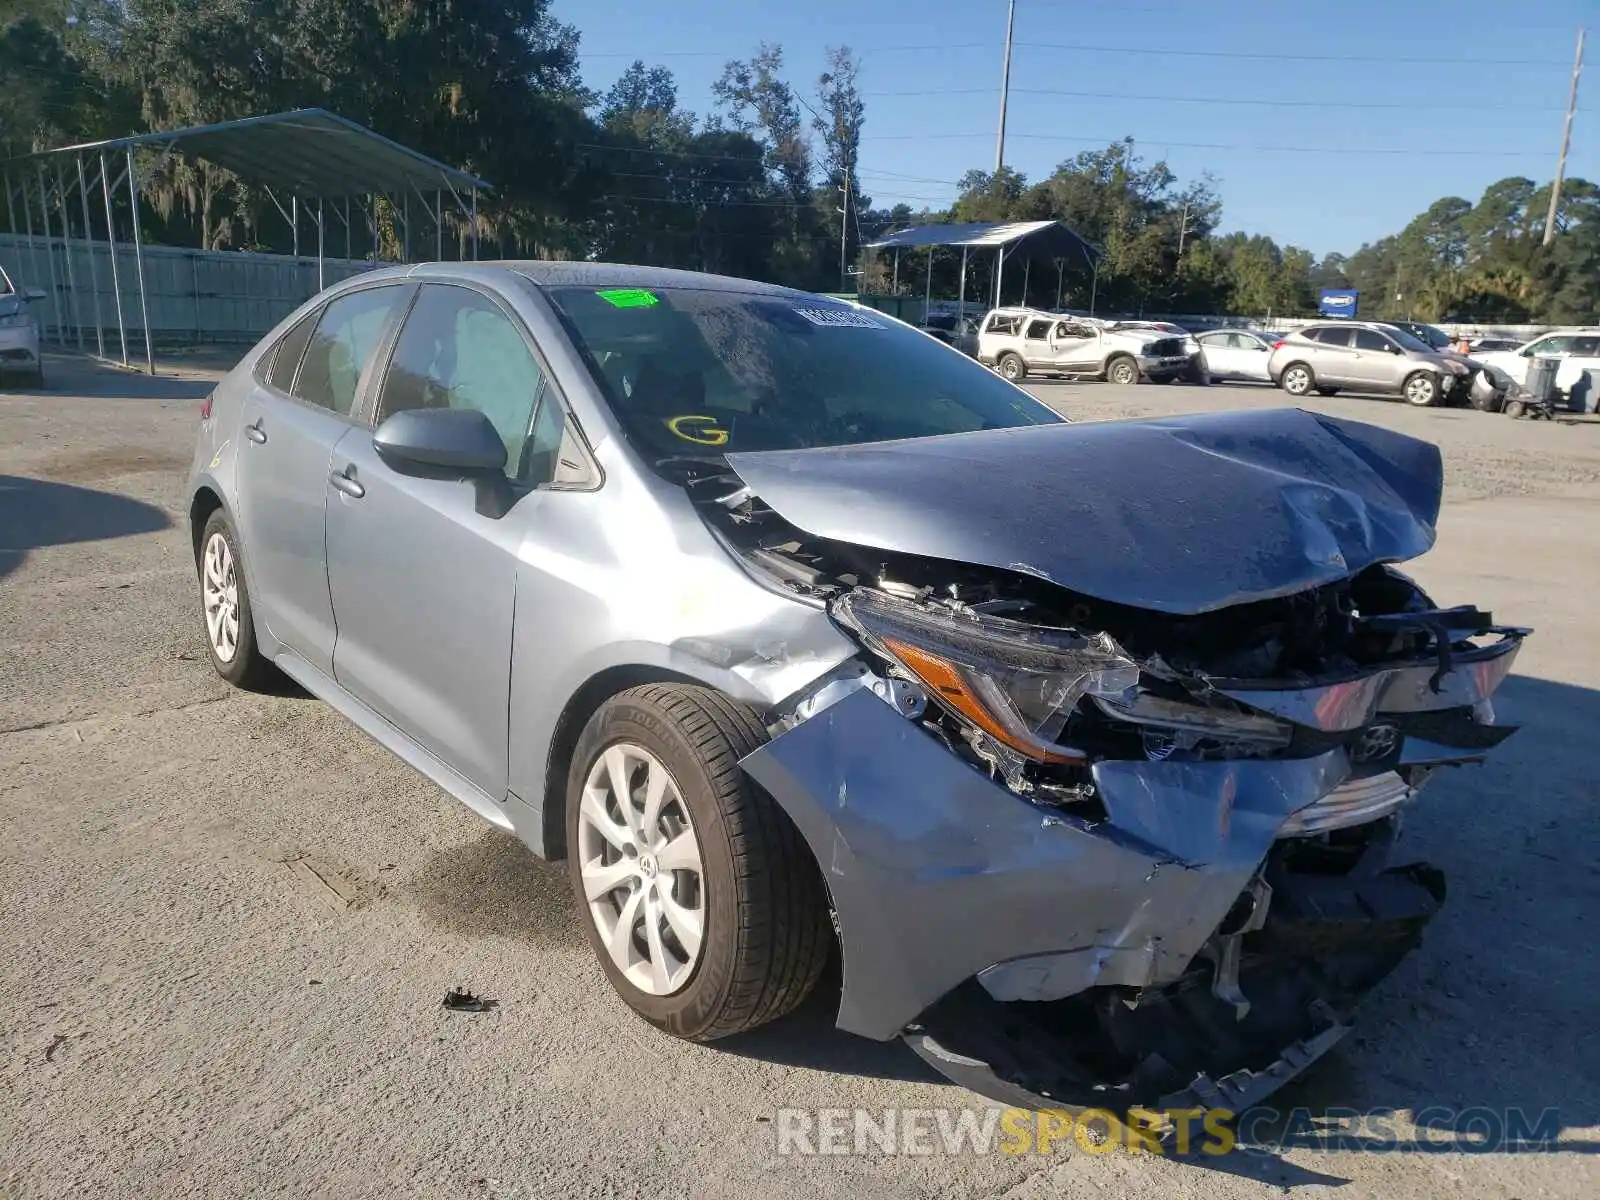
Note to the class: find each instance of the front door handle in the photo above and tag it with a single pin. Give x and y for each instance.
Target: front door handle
(255, 432)
(345, 481)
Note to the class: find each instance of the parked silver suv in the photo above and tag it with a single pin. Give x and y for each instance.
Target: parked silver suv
(1364, 357)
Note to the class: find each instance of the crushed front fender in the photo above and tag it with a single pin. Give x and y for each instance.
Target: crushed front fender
(962, 906)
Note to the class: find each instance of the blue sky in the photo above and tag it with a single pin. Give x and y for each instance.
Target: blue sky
(1327, 150)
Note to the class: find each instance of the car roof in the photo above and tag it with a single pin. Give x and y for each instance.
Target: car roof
(545, 273)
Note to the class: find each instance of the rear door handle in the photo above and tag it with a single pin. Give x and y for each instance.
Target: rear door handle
(346, 482)
(255, 432)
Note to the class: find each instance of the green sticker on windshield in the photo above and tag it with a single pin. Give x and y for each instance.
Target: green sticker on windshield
(628, 297)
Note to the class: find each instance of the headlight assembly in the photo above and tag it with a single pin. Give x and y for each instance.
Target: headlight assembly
(1017, 683)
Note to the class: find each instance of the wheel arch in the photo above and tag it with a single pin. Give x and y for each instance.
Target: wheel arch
(1297, 362)
(205, 501)
(575, 714)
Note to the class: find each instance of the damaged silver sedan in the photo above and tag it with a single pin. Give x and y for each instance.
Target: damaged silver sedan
(790, 629)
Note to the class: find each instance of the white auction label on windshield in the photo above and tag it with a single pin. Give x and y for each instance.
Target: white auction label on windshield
(839, 318)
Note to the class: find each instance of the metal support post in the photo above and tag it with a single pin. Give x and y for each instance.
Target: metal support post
(138, 263)
(294, 226)
(320, 245)
(963, 291)
(438, 225)
(111, 243)
(72, 275)
(927, 295)
(894, 286)
(999, 275)
(94, 271)
(50, 263)
(474, 224)
(27, 222)
(405, 218)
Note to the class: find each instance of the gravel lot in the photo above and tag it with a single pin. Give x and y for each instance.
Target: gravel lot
(227, 920)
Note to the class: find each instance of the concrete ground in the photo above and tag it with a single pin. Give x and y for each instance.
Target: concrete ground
(227, 920)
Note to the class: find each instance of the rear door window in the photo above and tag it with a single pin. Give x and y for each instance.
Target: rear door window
(342, 346)
(1038, 330)
(286, 356)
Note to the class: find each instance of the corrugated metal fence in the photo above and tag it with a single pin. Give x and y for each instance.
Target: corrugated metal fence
(193, 295)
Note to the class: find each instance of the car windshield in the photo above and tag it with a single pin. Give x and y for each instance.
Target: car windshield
(1407, 339)
(691, 371)
(1436, 339)
(5, 283)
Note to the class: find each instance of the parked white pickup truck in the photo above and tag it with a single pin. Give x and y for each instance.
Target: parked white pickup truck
(1018, 342)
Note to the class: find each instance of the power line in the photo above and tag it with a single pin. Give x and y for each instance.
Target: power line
(1441, 60)
(1167, 143)
(983, 91)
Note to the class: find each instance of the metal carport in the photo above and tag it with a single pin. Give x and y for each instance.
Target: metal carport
(1031, 239)
(309, 154)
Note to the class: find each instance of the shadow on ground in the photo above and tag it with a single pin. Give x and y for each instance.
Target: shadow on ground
(36, 512)
(82, 377)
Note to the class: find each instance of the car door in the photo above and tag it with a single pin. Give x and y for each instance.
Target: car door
(1332, 359)
(1583, 354)
(423, 582)
(1219, 355)
(1374, 363)
(292, 417)
(1073, 346)
(1036, 350)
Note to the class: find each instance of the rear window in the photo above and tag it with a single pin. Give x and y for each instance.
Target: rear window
(691, 371)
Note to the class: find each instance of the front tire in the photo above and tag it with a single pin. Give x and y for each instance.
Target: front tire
(1122, 371)
(1421, 389)
(1012, 368)
(225, 606)
(1298, 380)
(700, 898)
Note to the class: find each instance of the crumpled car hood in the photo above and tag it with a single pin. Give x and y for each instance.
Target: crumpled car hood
(1177, 514)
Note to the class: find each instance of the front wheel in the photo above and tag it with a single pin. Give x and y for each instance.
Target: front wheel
(701, 900)
(1122, 370)
(1012, 368)
(1421, 389)
(1298, 380)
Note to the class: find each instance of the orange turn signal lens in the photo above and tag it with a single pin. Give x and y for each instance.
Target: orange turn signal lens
(946, 683)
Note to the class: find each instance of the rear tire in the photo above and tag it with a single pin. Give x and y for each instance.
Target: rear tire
(1122, 371)
(1327, 391)
(1421, 389)
(743, 931)
(1012, 368)
(225, 606)
(1298, 380)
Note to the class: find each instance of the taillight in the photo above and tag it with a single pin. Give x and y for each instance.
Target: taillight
(1278, 345)
(205, 407)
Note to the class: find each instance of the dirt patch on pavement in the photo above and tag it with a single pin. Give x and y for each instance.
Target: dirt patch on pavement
(112, 462)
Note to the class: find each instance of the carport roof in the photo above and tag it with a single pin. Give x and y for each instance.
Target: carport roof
(1045, 238)
(308, 152)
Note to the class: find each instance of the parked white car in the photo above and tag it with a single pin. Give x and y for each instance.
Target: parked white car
(1237, 354)
(1578, 351)
(19, 333)
(1018, 342)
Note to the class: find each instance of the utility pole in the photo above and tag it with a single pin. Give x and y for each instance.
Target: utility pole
(1183, 229)
(1005, 89)
(1566, 140)
(844, 226)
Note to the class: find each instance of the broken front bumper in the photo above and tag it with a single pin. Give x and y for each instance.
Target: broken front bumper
(963, 906)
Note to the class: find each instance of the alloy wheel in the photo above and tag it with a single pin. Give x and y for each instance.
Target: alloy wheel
(220, 589)
(641, 868)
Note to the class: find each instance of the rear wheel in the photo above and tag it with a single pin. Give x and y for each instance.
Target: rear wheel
(1298, 379)
(1327, 391)
(703, 903)
(225, 606)
(1012, 367)
(1421, 388)
(1122, 371)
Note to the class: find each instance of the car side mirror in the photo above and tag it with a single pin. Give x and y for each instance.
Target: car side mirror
(29, 295)
(449, 443)
(450, 440)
